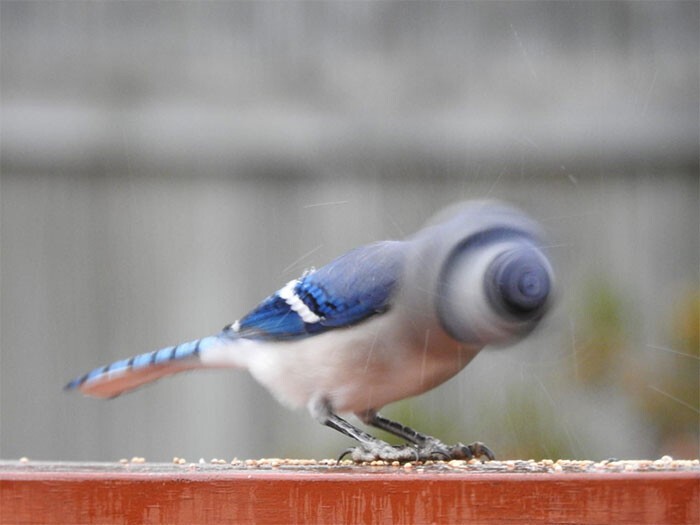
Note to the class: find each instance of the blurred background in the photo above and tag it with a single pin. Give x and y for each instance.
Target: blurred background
(166, 165)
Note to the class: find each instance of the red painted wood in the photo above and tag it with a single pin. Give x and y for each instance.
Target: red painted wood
(338, 495)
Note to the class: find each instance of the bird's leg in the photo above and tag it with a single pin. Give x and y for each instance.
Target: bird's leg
(428, 447)
(371, 448)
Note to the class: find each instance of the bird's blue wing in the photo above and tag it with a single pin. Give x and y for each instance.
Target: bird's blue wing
(346, 291)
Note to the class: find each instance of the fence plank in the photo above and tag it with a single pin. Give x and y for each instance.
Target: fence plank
(157, 493)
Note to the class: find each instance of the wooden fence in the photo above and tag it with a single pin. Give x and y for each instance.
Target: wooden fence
(275, 492)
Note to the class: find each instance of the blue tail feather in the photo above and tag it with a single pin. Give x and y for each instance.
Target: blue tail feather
(127, 374)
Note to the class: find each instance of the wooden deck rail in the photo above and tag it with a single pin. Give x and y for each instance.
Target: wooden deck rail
(298, 492)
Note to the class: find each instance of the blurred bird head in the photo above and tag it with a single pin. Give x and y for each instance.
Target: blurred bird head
(485, 264)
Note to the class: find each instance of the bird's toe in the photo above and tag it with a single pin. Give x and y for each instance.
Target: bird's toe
(382, 451)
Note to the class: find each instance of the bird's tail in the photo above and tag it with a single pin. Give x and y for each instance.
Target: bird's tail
(128, 374)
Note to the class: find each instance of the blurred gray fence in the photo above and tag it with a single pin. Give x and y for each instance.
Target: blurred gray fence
(166, 165)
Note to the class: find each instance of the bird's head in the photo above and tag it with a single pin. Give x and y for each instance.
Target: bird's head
(491, 278)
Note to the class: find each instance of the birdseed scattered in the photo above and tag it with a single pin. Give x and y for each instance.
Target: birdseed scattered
(665, 463)
(544, 466)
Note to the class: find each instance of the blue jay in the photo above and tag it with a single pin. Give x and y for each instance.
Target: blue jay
(381, 323)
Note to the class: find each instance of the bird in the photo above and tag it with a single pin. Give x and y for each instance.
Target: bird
(383, 322)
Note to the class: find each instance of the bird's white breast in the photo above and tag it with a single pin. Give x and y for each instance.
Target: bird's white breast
(358, 368)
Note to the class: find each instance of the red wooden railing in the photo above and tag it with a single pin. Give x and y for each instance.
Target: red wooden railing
(282, 492)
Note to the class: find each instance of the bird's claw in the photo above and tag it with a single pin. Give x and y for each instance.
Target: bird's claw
(472, 451)
(431, 450)
(434, 449)
(381, 451)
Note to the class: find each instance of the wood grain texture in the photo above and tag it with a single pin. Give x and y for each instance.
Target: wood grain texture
(340, 495)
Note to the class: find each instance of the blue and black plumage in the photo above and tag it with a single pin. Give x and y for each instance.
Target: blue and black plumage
(350, 289)
(126, 374)
(381, 323)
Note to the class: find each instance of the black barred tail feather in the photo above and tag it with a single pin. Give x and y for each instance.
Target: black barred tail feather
(128, 374)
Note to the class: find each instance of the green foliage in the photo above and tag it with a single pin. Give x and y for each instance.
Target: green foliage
(668, 390)
(602, 338)
(531, 426)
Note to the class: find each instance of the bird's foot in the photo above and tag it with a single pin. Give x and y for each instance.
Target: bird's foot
(381, 451)
(434, 449)
(431, 450)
